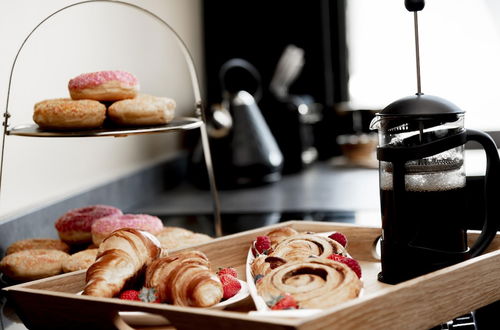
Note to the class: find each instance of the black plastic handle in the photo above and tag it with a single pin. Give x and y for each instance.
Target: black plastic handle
(239, 63)
(414, 5)
(492, 214)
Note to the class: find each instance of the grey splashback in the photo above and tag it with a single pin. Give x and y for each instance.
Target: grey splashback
(124, 193)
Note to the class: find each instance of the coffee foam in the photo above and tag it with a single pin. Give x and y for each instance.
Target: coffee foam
(422, 182)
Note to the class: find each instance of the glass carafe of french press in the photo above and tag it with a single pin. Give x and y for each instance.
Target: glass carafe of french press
(423, 182)
(422, 187)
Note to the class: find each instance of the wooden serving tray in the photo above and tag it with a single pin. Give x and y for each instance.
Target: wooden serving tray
(423, 302)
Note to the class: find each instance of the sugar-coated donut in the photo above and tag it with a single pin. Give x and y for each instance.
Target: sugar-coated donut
(75, 226)
(104, 86)
(80, 260)
(63, 114)
(37, 243)
(103, 227)
(30, 265)
(142, 110)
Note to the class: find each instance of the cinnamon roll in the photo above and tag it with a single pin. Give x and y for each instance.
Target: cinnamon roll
(303, 246)
(315, 283)
(263, 264)
(281, 233)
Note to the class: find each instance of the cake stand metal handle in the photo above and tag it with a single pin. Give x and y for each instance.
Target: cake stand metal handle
(199, 106)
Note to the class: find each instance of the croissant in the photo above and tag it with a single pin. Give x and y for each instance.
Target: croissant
(315, 283)
(122, 257)
(184, 280)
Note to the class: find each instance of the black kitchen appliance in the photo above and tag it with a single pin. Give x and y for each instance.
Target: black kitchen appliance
(422, 183)
(245, 152)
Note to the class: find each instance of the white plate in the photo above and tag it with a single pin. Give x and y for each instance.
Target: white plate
(260, 304)
(242, 294)
(149, 319)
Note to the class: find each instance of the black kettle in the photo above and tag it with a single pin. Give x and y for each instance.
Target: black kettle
(244, 151)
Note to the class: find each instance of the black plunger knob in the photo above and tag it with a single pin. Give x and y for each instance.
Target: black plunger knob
(414, 5)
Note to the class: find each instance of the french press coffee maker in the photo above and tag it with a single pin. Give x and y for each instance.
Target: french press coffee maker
(422, 183)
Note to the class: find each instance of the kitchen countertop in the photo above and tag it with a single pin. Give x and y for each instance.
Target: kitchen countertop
(320, 187)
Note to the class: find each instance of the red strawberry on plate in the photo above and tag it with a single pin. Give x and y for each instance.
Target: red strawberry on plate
(285, 301)
(230, 285)
(261, 245)
(352, 263)
(229, 271)
(130, 295)
(340, 238)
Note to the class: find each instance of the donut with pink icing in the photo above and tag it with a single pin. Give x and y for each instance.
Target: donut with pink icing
(74, 227)
(104, 86)
(103, 227)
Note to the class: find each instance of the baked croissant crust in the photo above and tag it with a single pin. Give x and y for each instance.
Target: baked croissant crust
(122, 257)
(184, 280)
(315, 283)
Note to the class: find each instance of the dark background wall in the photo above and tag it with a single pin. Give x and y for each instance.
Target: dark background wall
(259, 30)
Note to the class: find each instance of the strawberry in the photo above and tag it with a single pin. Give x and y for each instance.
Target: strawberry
(340, 238)
(230, 285)
(285, 301)
(352, 263)
(228, 270)
(130, 295)
(262, 245)
(148, 295)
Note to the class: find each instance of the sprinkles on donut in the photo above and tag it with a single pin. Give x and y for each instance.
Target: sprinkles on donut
(74, 227)
(104, 86)
(103, 227)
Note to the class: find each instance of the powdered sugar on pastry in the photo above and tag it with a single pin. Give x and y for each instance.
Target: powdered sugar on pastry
(63, 114)
(142, 110)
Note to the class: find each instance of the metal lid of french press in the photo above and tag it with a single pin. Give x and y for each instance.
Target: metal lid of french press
(419, 104)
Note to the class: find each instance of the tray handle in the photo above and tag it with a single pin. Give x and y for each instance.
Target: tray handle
(119, 323)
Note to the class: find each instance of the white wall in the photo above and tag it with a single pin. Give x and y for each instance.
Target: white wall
(459, 50)
(86, 38)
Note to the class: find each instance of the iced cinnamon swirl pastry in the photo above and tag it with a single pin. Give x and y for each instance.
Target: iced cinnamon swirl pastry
(302, 246)
(281, 233)
(295, 248)
(263, 264)
(184, 280)
(317, 283)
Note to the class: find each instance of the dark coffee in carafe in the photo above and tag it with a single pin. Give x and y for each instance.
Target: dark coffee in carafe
(426, 220)
(427, 215)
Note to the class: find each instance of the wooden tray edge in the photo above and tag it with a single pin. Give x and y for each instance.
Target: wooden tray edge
(341, 317)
